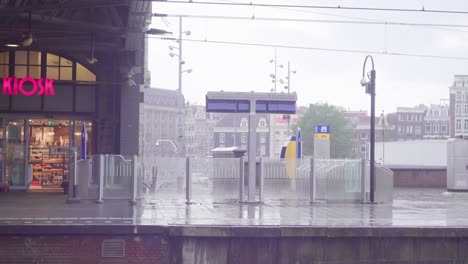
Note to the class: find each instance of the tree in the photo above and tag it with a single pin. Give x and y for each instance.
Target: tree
(341, 132)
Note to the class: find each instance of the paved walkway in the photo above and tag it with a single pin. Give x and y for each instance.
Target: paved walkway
(411, 208)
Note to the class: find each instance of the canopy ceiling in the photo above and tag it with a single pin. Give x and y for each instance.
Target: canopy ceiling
(69, 25)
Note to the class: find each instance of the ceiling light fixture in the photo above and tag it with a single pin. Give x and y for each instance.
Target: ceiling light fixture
(92, 60)
(27, 38)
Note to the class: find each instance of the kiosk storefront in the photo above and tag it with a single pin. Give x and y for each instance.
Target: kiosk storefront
(47, 102)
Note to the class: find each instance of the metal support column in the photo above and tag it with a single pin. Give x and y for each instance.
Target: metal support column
(363, 181)
(252, 152)
(133, 198)
(260, 187)
(188, 181)
(241, 180)
(73, 181)
(100, 170)
(312, 182)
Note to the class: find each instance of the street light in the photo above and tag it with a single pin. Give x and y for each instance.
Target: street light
(180, 103)
(370, 89)
(167, 140)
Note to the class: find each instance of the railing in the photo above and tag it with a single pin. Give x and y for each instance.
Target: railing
(198, 179)
(104, 177)
(338, 180)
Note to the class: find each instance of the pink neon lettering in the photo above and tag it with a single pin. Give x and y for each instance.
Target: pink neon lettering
(42, 86)
(23, 91)
(7, 86)
(49, 87)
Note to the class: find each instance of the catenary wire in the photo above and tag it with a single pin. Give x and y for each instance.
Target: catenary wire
(339, 7)
(316, 48)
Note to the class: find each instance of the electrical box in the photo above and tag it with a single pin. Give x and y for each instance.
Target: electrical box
(457, 164)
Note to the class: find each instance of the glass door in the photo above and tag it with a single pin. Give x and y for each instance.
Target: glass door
(15, 153)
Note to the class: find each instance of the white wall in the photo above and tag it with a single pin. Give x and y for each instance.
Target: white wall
(412, 153)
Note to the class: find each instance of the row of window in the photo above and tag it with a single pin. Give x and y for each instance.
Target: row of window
(436, 128)
(458, 109)
(437, 112)
(222, 138)
(409, 130)
(261, 123)
(30, 63)
(458, 125)
(410, 117)
(461, 96)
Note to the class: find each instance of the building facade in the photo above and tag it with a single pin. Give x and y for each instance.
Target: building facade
(159, 123)
(410, 122)
(360, 122)
(437, 122)
(459, 106)
(199, 130)
(232, 131)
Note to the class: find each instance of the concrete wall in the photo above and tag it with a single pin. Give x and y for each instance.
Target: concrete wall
(234, 245)
(301, 245)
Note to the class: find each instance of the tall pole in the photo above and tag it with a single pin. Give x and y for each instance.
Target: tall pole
(289, 77)
(370, 89)
(372, 139)
(179, 94)
(383, 137)
(276, 77)
(289, 87)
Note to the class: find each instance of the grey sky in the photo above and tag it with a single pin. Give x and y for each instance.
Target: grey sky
(322, 76)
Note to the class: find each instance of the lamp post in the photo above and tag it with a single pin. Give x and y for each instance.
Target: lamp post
(180, 103)
(370, 89)
(383, 137)
(169, 141)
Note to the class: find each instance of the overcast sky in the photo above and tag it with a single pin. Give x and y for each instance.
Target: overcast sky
(322, 76)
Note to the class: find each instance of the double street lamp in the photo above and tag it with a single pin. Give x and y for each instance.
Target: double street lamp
(180, 103)
(369, 82)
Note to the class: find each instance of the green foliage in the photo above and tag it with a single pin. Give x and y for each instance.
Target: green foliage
(341, 142)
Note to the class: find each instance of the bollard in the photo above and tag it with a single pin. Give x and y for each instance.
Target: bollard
(73, 181)
(241, 180)
(154, 178)
(260, 183)
(188, 181)
(134, 173)
(312, 182)
(363, 181)
(101, 171)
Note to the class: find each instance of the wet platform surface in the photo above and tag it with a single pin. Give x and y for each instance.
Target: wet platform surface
(410, 208)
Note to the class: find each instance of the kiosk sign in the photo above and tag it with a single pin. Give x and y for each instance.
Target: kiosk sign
(15, 86)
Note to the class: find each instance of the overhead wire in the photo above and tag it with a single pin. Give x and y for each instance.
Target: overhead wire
(317, 48)
(318, 20)
(339, 7)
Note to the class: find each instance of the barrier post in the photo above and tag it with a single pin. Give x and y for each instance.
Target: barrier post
(241, 180)
(73, 181)
(260, 183)
(101, 171)
(188, 181)
(363, 181)
(133, 198)
(312, 182)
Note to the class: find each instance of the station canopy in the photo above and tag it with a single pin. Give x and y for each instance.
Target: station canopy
(74, 26)
(239, 102)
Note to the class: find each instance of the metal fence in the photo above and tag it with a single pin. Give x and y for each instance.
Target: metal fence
(104, 177)
(197, 179)
(338, 180)
(166, 178)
